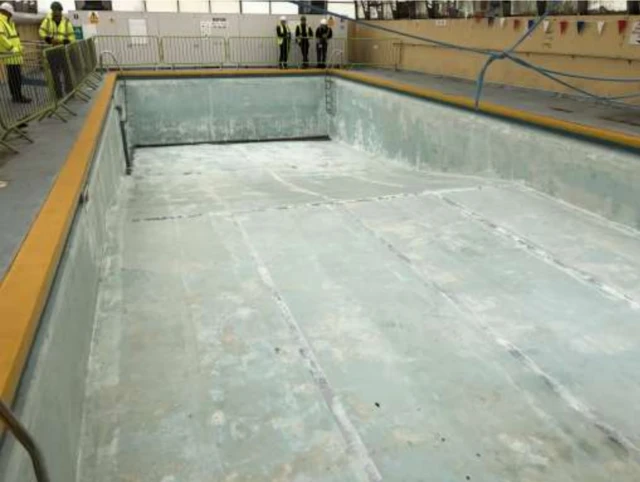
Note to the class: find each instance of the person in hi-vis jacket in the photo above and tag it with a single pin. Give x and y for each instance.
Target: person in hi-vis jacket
(303, 35)
(323, 34)
(284, 42)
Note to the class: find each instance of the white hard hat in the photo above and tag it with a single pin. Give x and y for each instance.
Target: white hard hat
(283, 18)
(7, 7)
(323, 21)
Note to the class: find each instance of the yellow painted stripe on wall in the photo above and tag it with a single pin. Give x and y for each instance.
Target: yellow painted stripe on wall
(615, 137)
(25, 286)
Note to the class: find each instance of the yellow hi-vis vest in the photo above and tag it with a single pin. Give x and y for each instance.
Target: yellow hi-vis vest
(283, 35)
(9, 42)
(60, 32)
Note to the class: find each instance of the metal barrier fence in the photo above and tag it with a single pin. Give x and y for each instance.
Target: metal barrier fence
(176, 52)
(130, 51)
(194, 51)
(37, 82)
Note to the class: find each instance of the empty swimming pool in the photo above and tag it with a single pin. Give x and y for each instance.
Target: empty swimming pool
(389, 289)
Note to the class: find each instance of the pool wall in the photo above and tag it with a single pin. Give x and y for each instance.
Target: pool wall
(52, 391)
(432, 136)
(198, 110)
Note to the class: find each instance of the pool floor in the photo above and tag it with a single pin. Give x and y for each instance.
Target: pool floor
(301, 311)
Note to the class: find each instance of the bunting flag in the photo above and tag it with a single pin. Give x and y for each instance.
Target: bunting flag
(503, 22)
(622, 26)
(545, 25)
(490, 20)
(516, 24)
(563, 26)
(600, 26)
(580, 24)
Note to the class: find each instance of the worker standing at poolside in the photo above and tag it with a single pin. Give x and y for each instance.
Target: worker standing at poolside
(11, 53)
(323, 34)
(284, 42)
(56, 29)
(303, 34)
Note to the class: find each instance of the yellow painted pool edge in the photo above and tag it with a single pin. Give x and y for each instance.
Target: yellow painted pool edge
(218, 73)
(25, 286)
(599, 134)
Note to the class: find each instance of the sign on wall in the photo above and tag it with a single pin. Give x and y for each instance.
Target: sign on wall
(94, 18)
(208, 27)
(634, 37)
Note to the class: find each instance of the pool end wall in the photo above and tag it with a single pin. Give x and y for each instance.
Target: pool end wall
(52, 389)
(200, 110)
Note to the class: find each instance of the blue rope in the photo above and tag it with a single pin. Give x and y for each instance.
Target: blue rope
(499, 56)
(493, 55)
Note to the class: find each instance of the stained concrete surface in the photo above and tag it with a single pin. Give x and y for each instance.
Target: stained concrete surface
(30, 174)
(572, 108)
(303, 311)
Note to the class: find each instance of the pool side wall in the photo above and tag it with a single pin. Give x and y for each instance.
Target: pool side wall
(52, 391)
(433, 136)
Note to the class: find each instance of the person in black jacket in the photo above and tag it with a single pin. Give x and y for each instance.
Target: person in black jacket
(303, 34)
(284, 41)
(323, 34)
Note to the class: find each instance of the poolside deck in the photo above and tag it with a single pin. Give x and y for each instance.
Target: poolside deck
(302, 311)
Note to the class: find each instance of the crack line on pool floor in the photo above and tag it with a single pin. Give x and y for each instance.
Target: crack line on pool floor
(542, 254)
(287, 207)
(350, 434)
(354, 442)
(563, 392)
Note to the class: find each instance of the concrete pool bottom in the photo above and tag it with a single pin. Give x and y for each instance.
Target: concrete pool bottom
(301, 311)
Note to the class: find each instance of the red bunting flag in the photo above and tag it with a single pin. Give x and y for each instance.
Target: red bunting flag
(563, 26)
(516, 24)
(622, 26)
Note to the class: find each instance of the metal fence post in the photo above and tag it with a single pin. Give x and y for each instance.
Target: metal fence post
(160, 44)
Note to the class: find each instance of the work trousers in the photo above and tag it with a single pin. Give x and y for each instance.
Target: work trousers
(304, 47)
(60, 72)
(321, 52)
(284, 54)
(14, 77)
